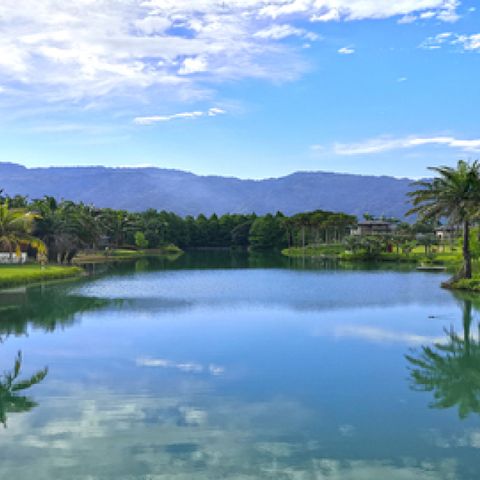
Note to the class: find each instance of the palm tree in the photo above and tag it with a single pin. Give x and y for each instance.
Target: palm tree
(10, 400)
(66, 227)
(15, 230)
(454, 194)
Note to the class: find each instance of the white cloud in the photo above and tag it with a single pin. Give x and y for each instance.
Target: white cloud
(380, 335)
(346, 51)
(149, 120)
(193, 65)
(448, 13)
(212, 112)
(469, 42)
(278, 32)
(186, 367)
(328, 10)
(427, 15)
(82, 50)
(465, 42)
(408, 19)
(385, 144)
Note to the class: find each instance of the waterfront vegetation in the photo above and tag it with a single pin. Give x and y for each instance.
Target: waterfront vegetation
(65, 232)
(444, 255)
(452, 195)
(69, 230)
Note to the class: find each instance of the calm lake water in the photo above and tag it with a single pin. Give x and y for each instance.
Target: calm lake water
(227, 367)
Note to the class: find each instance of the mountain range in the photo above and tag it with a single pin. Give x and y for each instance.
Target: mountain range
(185, 193)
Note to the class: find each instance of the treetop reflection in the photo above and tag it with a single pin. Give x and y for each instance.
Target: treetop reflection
(44, 309)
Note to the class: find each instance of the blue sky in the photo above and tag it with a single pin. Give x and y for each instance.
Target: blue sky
(248, 88)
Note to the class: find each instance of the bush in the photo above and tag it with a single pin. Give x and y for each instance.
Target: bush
(472, 284)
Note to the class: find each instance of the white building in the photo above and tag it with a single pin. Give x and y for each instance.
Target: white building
(8, 259)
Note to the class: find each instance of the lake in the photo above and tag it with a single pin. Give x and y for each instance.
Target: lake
(223, 366)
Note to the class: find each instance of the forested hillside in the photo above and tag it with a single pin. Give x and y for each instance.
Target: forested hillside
(138, 189)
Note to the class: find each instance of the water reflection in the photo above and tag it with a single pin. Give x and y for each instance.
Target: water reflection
(224, 259)
(45, 309)
(11, 388)
(450, 369)
(230, 371)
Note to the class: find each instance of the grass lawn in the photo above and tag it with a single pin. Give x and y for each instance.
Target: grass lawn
(14, 275)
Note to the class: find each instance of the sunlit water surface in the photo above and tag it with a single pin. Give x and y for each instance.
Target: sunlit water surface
(215, 366)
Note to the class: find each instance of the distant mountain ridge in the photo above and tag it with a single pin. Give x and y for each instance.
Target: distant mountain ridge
(185, 193)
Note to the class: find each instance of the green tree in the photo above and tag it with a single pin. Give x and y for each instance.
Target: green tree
(140, 240)
(16, 227)
(454, 194)
(240, 234)
(66, 227)
(267, 232)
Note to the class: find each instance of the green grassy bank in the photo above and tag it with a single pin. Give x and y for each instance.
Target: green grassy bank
(467, 284)
(15, 275)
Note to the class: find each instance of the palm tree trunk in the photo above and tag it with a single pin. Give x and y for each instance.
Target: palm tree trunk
(467, 259)
(467, 322)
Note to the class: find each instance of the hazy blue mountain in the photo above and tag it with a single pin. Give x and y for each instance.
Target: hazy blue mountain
(186, 193)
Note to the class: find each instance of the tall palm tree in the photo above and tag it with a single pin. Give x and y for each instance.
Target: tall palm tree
(454, 194)
(15, 230)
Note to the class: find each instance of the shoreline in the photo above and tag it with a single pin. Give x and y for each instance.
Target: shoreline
(23, 275)
(13, 276)
(445, 262)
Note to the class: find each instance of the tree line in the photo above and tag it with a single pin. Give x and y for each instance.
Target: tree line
(64, 228)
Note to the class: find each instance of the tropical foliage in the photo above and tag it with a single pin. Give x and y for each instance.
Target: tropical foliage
(453, 194)
(62, 229)
(15, 230)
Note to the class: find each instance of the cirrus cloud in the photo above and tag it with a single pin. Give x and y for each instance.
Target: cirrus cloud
(385, 144)
(346, 51)
(150, 120)
(465, 42)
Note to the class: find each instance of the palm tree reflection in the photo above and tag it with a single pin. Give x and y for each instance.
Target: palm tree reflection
(451, 369)
(11, 389)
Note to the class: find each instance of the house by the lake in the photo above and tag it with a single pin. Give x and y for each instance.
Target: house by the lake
(446, 233)
(373, 227)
